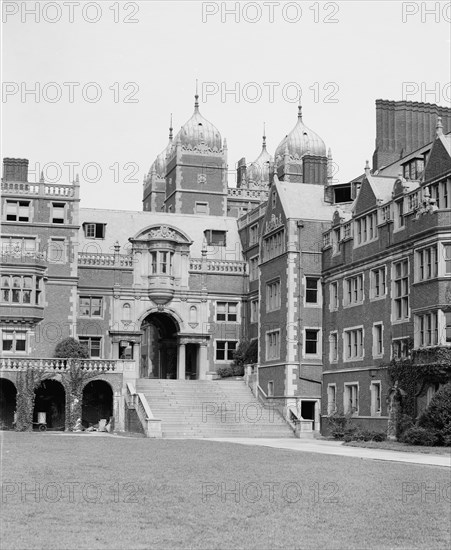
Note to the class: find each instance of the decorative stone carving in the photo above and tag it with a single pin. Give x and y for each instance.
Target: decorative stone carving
(273, 223)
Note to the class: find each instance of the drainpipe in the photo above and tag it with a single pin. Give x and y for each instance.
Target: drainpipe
(300, 225)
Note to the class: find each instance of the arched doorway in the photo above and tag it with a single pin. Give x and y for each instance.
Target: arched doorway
(8, 394)
(159, 346)
(51, 400)
(97, 402)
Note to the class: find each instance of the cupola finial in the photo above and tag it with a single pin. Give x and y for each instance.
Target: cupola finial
(439, 127)
(196, 97)
(170, 129)
(264, 135)
(300, 110)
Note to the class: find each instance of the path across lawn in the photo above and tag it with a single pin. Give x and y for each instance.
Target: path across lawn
(110, 492)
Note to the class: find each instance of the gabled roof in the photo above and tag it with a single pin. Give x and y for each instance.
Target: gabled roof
(303, 200)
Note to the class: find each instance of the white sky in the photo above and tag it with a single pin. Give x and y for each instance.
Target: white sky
(367, 54)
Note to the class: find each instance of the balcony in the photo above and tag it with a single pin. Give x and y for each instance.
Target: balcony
(161, 288)
(24, 258)
(21, 312)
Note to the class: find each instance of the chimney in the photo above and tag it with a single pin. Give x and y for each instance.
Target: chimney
(15, 170)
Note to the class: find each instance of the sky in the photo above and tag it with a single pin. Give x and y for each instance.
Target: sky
(107, 75)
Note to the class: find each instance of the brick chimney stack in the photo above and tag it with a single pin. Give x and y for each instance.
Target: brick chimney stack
(15, 170)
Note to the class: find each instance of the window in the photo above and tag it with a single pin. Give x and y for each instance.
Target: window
(215, 238)
(351, 399)
(400, 348)
(311, 341)
(413, 201)
(273, 199)
(56, 251)
(413, 169)
(254, 311)
(427, 262)
(447, 256)
(333, 347)
(353, 344)
(435, 193)
(336, 237)
(273, 296)
(354, 290)
(225, 350)
(90, 306)
(400, 213)
(94, 230)
(326, 239)
(401, 290)
(201, 208)
(18, 211)
(331, 398)
(367, 228)
(385, 213)
(273, 344)
(347, 230)
(18, 246)
(274, 245)
(14, 341)
(448, 328)
(311, 290)
(378, 342)
(253, 268)
(333, 290)
(445, 195)
(377, 283)
(21, 289)
(253, 234)
(58, 212)
(93, 345)
(375, 390)
(161, 262)
(227, 311)
(426, 329)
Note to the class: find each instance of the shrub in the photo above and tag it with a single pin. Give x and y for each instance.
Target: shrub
(379, 436)
(438, 414)
(339, 425)
(225, 372)
(447, 441)
(238, 370)
(405, 422)
(69, 347)
(420, 436)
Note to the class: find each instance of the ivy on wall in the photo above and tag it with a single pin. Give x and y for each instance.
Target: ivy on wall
(27, 382)
(74, 380)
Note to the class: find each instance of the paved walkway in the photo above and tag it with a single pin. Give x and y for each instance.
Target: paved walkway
(338, 449)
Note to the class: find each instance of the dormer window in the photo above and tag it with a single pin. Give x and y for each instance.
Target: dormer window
(94, 230)
(215, 237)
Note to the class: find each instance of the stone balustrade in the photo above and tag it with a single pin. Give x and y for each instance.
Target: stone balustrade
(217, 266)
(260, 194)
(24, 188)
(61, 365)
(105, 260)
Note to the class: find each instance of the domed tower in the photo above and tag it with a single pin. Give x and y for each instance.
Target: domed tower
(259, 171)
(301, 156)
(196, 173)
(155, 181)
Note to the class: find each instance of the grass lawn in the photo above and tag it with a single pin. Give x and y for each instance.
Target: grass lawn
(398, 446)
(108, 492)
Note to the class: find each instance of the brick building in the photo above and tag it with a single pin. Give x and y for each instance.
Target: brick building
(386, 280)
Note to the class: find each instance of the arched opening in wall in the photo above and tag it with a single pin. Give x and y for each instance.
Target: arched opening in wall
(49, 405)
(159, 346)
(97, 403)
(8, 395)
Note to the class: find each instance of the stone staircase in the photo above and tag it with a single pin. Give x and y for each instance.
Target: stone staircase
(211, 408)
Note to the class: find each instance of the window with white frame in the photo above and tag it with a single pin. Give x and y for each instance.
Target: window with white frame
(333, 347)
(353, 343)
(335, 240)
(311, 338)
(90, 306)
(161, 262)
(401, 290)
(227, 311)
(254, 311)
(351, 398)
(400, 347)
(253, 268)
(93, 344)
(353, 290)
(375, 390)
(58, 212)
(399, 218)
(94, 230)
(333, 296)
(426, 332)
(331, 398)
(312, 295)
(273, 295)
(445, 185)
(274, 245)
(21, 289)
(215, 237)
(14, 341)
(366, 228)
(18, 246)
(225, 350)
(447, 257)
(377, 283)
(273, 344)
(427, 263)
(347, 230)
(385, 213)
(18, 211)
(378, 340)
(447, 328)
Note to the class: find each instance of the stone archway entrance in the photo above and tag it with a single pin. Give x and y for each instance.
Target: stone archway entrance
(159, 346)
(51, 401)
(8, 394)
(97, 402)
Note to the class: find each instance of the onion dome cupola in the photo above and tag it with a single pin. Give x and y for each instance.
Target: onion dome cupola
(199, 131)
(301, 141)
(258, 172)
(159, 164)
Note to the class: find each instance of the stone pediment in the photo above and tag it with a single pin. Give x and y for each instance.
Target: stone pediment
(163, 232)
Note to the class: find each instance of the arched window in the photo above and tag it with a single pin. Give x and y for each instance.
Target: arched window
(126, 312)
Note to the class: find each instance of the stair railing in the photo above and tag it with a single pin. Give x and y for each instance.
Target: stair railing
(138, 402)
